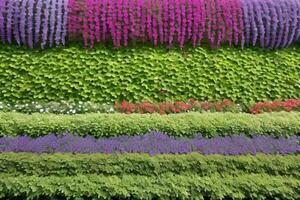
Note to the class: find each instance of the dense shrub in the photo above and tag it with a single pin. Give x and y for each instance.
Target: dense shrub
(157, 74)
(152, 143)
(143, 164)
(185, 124)
(166, 186)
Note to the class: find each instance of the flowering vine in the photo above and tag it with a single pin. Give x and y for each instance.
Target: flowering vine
(268, 23)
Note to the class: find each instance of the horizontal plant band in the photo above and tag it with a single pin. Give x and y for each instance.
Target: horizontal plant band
(268, 23)
(143, 164)
(152, 143)
(166, 186)
(105, 75)
(182, 124)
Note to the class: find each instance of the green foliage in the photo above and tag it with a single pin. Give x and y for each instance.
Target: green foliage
(143, 164)
(183, 124)
(165, 186)
(105, 74)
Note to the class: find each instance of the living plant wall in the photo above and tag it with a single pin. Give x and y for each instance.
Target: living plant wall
(149, 99)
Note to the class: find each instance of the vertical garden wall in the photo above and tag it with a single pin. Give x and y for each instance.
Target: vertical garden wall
(148, 99)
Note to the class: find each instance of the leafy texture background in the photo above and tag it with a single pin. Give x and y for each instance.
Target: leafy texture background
(105, 74)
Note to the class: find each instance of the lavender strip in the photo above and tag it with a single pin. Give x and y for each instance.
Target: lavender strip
(65, 21)
(2, 20)
(38, 14)
(152, 143)
(30, 23)
(16, 22)
(10, 13)
(23, 20)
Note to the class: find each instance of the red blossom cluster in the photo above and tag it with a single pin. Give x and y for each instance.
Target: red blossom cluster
(288, 105)
(176, 107)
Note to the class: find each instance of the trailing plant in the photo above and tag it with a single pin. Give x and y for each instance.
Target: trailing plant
(181, 124)
(271, 23)
(163, 22)
(33, 22)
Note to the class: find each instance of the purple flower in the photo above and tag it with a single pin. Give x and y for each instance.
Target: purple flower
(52, 10)
(30, 23)
(65, 21)
(38, 13)
(275, 23)
(59, 18)
(45, 24)
(294, 20)
(272, 21)
(282, 17)
(16, 21)
(258, 17)
(23, 21)
(152, 143)
(287, 11)
(10, 12)
(297, 37)
(2, 24)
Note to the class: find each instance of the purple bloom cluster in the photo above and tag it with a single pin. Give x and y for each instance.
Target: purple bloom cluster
(152, 143)
(271, 23)
(33, 22)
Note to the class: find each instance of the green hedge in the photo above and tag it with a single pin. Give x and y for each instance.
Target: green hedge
(166, 186)
(143, 164)
(184, 124)
(105, 74)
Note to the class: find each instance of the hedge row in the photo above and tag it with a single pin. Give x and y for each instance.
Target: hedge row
(183, 124)
(166, 186)
(143, 164)
(104, 74)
